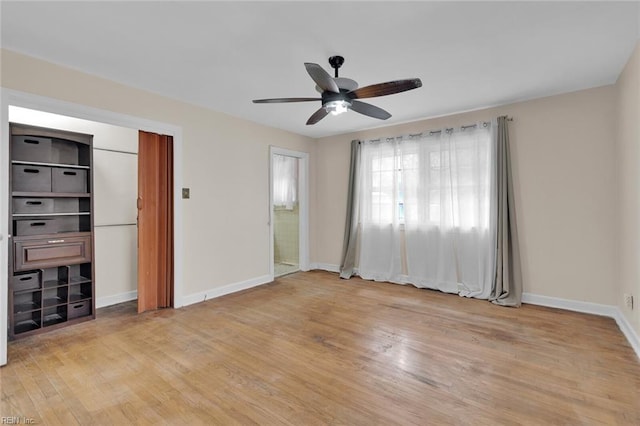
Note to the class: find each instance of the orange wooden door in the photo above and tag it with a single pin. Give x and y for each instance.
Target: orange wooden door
(155, 221)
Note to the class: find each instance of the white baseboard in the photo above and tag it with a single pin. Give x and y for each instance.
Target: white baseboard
(325, 267)
(101, 302)
(570, 305)
(227, 289)
(589, 308)
(628, 331)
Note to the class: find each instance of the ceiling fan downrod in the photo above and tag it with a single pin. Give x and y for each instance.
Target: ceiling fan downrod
(336, 62)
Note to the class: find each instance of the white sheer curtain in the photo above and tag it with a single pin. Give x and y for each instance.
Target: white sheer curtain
(427, 210)
(285, 181)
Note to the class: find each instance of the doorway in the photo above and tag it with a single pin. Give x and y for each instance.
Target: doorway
(19, 99)
(286, 215)
(288, 209)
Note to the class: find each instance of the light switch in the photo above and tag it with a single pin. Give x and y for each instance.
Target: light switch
(185, 193)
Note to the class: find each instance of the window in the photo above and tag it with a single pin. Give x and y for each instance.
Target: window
(442, 179)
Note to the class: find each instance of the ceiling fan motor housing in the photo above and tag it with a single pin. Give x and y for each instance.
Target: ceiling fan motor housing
(328, 96)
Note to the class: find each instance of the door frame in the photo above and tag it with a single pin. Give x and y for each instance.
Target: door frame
(303, 199)
(27, 100)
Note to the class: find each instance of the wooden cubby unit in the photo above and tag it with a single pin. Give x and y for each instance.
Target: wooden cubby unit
(51, 263)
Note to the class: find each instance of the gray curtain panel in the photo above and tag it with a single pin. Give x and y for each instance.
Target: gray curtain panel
(351, 225)
(507, 289)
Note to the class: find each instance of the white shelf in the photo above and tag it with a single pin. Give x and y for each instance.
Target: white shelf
(51, 214)
(37, 163)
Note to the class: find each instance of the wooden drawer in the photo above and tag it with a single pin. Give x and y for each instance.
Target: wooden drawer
(51, 225)
(33, 205)
(35, 227)
(34, 253)
(31, 178)
(29, 281)
(79, 309)
(31, 148)
(68, 180)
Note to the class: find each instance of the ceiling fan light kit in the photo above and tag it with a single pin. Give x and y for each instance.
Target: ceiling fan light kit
(339, 94)
(337, 107)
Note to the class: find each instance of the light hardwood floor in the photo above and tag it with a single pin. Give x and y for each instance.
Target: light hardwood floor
(313, 349)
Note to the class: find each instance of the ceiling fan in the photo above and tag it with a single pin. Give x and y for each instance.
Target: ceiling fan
(339, 94)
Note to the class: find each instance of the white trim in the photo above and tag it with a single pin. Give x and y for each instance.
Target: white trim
(329, 267)
(224, 290)
(303, 196)
(4, 223)
(570, 305)
(56, 106)
(102, 302)
(628, 331)
(589, 308)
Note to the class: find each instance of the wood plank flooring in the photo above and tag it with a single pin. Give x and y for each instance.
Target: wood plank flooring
(311, 349)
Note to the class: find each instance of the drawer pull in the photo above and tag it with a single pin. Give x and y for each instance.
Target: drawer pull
(26, 278)
(55, 241)
(34, 203)
(38, 224)
(31, 141)
(70, 173)
(31, 171)
(78, 306)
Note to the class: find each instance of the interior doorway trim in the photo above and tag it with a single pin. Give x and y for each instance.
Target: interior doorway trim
(303, 189)
(27, 100)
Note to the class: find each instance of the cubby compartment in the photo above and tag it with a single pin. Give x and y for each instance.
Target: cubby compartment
(69, 152)
(54, 296)
(31, 148)
(30, 178)
(54, 315)
(28, 321)
(64, 152)
(68, 180)
(26, 281)
(79, 273)
(72, 205)
(26, 301)
(79, 292)
(55, 277)
(79, 309)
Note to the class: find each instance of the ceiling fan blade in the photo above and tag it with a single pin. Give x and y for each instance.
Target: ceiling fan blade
(317, 116)
(383, 89)
(283, 100)
(321, 77)
(370, 110)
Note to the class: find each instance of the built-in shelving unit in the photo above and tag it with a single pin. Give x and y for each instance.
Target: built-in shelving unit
(51, 263)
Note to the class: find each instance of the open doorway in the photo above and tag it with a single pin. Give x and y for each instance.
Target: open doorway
(286, 215)
(288, 211)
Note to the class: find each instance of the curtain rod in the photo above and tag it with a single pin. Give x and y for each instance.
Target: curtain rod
(434, 132)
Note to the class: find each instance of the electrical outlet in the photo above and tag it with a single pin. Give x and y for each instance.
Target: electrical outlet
(186, 193)
(628, 300)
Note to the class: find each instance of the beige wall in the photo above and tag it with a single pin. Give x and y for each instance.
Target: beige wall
(563, 157)
(628, 162)
(563, 154)
(225, 163)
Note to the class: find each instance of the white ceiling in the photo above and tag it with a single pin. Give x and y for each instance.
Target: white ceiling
(221, 55)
